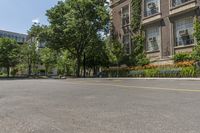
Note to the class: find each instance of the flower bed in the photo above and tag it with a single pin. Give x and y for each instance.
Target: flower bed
(181, 69)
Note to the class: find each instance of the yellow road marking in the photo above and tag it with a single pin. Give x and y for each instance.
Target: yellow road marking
(141, 87)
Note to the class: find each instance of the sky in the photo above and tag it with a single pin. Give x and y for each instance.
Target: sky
(19, 15)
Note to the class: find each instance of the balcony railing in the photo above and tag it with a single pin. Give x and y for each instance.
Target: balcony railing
(176, 3)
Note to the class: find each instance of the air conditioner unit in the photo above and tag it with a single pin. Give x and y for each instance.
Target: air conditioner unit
(183, 33)
(152, 39)
(151, 5)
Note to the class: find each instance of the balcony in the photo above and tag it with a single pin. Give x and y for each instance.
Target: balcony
(182, 6)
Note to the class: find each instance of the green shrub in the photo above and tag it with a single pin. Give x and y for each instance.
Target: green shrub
(188, 72)
(196, 53)
(116, 73)
(136, 73)
(142, 60)
(180, 57)
(14, 72)
(151, 73)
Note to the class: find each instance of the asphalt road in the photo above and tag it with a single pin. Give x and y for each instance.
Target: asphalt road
(99, 106)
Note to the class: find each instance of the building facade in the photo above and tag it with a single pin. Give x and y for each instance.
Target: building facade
(168, 26)
(20, 38)
(120, 16)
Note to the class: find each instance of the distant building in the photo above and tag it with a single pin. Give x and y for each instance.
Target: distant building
(20, 38)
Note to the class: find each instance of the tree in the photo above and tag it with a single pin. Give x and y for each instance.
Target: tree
(9, 54)
(114, 51)
(30, 50)
(47, 57)
(65, 63)
(35, 32)
(96, 55)
(74, 24)
(29, 56)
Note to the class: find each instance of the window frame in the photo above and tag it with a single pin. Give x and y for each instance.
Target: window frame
(129, 15)
(158, 37)
(182, 4)
(192, 38)
(145, 8)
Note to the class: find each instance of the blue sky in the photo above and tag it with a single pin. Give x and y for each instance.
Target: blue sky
(18, 15)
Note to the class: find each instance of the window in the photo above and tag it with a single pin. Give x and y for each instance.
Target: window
(178, 2)
(153, 38)
(184, 31)
(126, 42)
(151, 7)
(125, 16)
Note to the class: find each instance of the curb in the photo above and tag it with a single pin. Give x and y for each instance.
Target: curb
(183, 79)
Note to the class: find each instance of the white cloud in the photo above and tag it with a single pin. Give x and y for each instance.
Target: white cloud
(36, 20)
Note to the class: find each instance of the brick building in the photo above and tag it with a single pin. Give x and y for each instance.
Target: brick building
(168, 26)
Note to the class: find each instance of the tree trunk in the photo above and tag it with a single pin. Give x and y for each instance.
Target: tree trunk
(29, 70)
(8, 71)
(84, 67)
(94, 71)
(78, 66)
(46, 71)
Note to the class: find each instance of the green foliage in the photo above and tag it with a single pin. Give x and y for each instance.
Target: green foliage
(116, 73)
(65, 63)
(188, 72)
(35, 32)
(14, 72)
(136, 15)
(196, 50)
(114, 50)
(180, 57)
(151, 72)
(74, 24)
(169, 72)
(29, 56)
(2, 74)
(196, 53)
(96, 54)
(142, 60)
(138, 55)
(139, 73)
(47, 57)
(156, 72)
(9, 53)
(197, 30)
